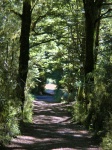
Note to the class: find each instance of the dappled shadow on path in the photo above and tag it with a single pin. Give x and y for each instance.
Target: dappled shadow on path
(52, 130)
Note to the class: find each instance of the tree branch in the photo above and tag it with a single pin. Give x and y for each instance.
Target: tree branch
(107, 17)
(37, 20)
(106, 4)
(43, 41)
(98, 2)
(33, 6)
(101, 16)
(37, 34)
(16, 13)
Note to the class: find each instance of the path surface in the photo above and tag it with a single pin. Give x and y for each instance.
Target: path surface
(52, 130)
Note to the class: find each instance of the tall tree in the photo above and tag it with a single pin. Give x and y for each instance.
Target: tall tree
(92, 15)
(92, 23)
(24, 49)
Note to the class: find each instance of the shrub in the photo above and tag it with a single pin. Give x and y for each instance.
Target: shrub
(107, 140)
(79, 112)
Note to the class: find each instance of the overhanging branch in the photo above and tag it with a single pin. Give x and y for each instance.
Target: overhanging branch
(107, 17)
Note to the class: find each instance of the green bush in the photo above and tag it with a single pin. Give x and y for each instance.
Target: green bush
(107, 142)
(58, 95)
(9, 122)
(79, 113)
(27, 114)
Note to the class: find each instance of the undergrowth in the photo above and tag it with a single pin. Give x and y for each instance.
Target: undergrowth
(107, 140)
(79, 112)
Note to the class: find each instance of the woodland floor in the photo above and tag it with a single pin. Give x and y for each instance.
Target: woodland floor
(52, 130)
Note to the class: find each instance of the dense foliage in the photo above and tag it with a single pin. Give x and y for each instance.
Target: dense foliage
(67, 41)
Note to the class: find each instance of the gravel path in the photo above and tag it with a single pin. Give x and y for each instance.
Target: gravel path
(52, 130)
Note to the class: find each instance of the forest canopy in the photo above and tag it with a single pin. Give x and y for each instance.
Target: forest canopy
(69, 41)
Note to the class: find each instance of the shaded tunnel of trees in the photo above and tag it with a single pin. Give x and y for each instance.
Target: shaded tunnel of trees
(69, 41)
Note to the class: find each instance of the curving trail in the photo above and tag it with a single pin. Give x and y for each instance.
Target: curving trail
(52, 130)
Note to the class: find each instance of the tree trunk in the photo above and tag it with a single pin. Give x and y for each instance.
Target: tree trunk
(24, 50)
(92, 15)
(89, 61)
(96, 41)
(92, 23)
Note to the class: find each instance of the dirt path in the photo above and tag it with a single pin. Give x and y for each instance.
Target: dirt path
(51, 130)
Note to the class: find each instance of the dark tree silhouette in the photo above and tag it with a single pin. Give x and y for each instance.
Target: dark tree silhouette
(24, 50)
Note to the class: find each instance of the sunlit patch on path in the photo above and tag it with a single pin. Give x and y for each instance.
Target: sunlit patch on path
(52, 130)
(50, 88)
